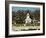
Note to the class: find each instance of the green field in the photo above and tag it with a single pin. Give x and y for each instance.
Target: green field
(26, 26)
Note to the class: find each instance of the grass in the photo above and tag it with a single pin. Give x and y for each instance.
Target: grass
(28, 26)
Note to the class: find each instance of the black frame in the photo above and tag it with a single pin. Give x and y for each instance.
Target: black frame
(7, 18)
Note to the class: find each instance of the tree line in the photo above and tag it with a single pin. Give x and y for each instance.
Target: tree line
(20, 15)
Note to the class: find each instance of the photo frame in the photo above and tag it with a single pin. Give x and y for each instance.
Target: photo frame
(33, 14)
